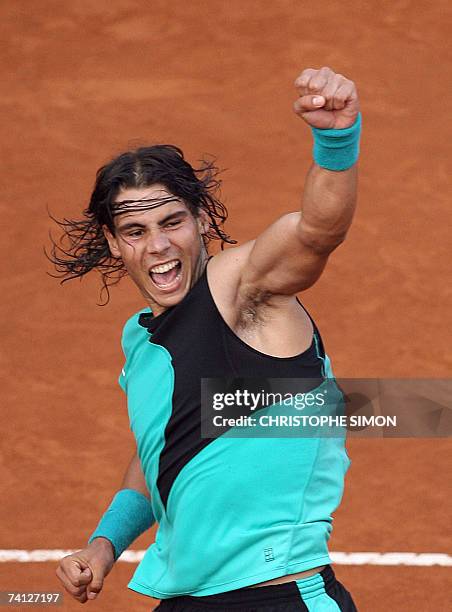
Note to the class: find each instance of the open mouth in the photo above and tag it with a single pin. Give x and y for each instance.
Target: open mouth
(167, 275)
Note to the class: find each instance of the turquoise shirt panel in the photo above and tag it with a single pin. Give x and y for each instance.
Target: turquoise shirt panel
(252, 507)
(148, 380)
(245, 507)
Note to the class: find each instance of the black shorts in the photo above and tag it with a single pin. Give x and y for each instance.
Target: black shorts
(319, 592)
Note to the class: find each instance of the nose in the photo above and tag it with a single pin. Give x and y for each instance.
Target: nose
(157, 243)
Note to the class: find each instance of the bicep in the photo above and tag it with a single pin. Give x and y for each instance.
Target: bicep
(284, 259)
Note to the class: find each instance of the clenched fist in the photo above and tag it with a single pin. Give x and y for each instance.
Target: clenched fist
(327, 100)
(82, 573)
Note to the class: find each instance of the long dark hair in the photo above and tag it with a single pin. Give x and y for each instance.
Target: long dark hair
(83, 247)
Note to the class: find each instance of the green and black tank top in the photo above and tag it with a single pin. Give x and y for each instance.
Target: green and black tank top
(232, 511)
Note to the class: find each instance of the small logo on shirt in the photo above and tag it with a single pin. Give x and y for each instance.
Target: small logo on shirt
(268, 554)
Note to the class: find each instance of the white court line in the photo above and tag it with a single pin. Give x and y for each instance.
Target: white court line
(340, 558)
(393, 558)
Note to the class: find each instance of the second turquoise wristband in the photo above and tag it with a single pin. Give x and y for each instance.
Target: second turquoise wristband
(127, 517)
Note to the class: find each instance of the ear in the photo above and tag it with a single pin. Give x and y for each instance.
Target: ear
(112, 242)
(203, 222)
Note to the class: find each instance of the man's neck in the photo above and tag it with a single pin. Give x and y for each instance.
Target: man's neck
(200, 266)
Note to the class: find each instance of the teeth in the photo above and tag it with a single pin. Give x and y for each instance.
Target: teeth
(165, 267)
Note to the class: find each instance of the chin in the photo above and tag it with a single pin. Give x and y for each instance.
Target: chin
(172, 299)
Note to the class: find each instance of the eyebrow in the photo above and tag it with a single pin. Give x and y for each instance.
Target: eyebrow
(174, 215)
(170, 217)
(127, 226)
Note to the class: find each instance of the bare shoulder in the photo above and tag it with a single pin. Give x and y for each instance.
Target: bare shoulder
(272, 324)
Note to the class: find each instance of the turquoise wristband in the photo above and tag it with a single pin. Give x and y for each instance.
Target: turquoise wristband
(127, 517)
(337, 149)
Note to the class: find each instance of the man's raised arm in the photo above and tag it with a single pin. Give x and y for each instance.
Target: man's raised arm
(291, 254)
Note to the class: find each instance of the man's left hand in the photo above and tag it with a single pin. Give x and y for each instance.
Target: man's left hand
(327, 100)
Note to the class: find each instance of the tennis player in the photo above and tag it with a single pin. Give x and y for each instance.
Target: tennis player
(243, 522)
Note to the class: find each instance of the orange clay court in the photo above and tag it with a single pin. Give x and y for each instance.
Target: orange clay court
(82, 81)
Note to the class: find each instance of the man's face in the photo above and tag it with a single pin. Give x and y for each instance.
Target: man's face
(162, 248)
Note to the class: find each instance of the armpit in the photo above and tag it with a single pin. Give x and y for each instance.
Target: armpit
(254, 308)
